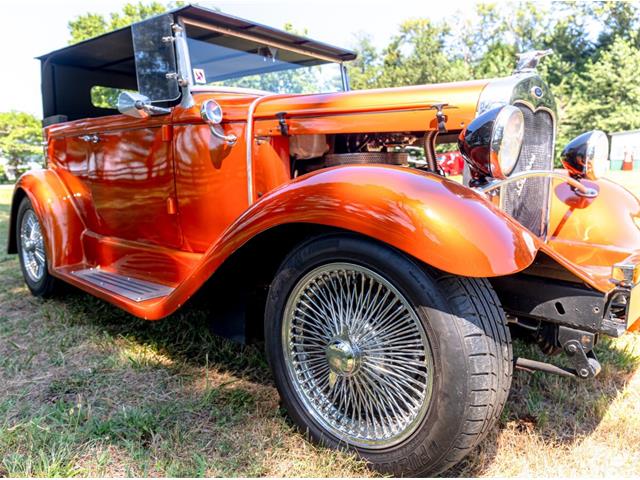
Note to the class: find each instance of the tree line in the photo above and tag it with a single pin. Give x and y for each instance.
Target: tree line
(594, 72)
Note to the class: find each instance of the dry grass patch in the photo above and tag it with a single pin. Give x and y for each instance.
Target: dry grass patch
(91, 391)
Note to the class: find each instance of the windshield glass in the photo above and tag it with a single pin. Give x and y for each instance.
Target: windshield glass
(218, 59)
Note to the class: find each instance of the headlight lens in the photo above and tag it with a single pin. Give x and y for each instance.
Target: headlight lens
(506, 141)
(597, 155)
(491, 143)
(587, 155)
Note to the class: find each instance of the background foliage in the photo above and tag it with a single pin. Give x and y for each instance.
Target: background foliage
(593, 72)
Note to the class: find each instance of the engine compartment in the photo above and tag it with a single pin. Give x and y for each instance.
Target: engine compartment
(409, 149)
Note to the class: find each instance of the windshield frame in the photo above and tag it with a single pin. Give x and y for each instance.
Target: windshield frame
(186, 21)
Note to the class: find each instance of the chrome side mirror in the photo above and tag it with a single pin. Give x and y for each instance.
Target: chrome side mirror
(211, 113)
(587, 155)
(138, 106)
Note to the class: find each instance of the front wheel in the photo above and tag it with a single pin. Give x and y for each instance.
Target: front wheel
(372, 351)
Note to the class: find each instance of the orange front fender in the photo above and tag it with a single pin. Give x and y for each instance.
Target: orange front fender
(53, 204)
(440, 222)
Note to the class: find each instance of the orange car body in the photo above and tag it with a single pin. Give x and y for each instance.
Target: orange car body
(164, 200)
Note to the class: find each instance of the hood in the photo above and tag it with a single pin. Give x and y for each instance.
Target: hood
(414, 106)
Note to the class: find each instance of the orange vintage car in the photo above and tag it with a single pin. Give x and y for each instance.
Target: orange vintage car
(385, 293)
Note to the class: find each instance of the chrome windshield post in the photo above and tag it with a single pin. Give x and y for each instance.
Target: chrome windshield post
(185, 77)
(578, 187)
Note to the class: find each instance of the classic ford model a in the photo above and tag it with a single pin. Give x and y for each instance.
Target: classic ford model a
(386, 294)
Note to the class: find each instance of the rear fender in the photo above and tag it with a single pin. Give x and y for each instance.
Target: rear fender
(53, 204)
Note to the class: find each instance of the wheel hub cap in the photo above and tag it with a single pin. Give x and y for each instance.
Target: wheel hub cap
(357, 355)
(343, 357)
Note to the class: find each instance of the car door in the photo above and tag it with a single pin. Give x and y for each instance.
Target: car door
(211, 175)
(131, 177)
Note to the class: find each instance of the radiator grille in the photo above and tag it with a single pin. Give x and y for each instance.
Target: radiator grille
(528, 200)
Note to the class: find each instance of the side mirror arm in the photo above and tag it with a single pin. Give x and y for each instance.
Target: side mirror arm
(151, 109)
(138, 106)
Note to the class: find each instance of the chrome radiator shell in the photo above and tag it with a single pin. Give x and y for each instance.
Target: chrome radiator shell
(528, 200)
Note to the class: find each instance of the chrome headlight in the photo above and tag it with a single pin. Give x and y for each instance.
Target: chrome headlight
(491, 144)
(506, 141)
(587, 155)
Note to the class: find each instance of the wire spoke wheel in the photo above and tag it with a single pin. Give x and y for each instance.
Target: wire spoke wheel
(358, 355)
(32, 247)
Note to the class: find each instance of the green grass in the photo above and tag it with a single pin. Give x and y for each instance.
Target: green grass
(89, 390)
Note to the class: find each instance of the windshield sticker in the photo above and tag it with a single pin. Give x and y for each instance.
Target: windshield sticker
(199, 76)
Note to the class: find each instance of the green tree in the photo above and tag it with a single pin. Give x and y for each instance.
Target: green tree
(364, 70)
(617, 20)
(20, 138)
(608, 94)
(91, 25)
(419, 54)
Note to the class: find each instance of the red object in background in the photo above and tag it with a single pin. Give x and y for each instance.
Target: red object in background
(627, 163)
(451, 163)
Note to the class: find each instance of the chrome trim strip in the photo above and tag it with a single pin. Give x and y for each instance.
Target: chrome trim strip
(249, 139)
(582, 189)
(249, 147)
(344, 75)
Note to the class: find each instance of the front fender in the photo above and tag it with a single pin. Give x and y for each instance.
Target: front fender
(438, 221)
(589, 235)
(61, 224)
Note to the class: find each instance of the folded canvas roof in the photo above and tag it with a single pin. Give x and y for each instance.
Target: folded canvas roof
(68, 74)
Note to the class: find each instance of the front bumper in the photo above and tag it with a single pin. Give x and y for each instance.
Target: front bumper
(559, 301)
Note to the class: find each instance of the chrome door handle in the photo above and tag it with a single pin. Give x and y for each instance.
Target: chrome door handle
(90, 138)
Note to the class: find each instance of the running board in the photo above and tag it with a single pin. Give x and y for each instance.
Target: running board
(131, 288)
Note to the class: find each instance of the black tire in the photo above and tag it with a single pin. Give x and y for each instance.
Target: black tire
(469, 340)
(47, 285)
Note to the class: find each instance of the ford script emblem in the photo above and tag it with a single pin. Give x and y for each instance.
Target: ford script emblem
(537, 92)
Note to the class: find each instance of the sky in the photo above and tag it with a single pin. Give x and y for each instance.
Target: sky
(35, 27)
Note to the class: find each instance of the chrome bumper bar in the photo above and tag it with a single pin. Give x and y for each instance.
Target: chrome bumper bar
(579, 188)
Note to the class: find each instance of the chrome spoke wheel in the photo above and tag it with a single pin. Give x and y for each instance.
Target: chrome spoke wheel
(357, 355)
(32, 247)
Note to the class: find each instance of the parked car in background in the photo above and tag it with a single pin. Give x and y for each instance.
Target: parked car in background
(451, 163)
(385, 293)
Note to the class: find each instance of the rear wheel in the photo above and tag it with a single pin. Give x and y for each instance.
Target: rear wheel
(370, 350)
(32, 253)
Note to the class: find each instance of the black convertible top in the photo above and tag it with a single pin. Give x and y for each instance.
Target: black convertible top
(108, 60)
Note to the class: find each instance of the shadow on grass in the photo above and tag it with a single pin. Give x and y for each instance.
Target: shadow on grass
(184, 336)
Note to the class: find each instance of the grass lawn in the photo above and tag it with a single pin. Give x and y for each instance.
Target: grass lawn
(92, 391)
